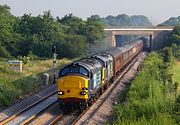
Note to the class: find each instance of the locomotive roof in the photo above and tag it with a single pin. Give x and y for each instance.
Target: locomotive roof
(100, 57)
(107, 56)
(90, 63)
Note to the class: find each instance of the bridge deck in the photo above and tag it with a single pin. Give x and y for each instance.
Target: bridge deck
(139, 29)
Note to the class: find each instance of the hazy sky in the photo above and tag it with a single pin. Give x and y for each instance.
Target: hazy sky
(156, 10)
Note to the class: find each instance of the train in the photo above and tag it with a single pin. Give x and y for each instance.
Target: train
(80, 83)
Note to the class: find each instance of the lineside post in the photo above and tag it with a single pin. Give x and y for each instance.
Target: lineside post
(151, 42)
(54, 62)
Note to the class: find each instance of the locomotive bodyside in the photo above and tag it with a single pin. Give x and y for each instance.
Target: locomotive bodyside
(107, 70)
(78, 84)
(81, 82)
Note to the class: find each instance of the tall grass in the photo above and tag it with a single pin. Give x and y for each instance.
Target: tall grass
(176, 74)
(151, 99)
(15, 85)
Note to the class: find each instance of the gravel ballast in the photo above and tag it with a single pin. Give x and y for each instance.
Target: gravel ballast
(26, 102)
(101, 115)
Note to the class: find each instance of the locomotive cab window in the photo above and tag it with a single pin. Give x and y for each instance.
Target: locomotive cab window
(64, 71)
(74, 69)
(83, 71)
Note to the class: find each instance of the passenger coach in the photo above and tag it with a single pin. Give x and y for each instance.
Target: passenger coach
(81, 82)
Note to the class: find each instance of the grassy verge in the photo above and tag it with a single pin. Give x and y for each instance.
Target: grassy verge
(176, 74)
(14, 85)
(151, 99)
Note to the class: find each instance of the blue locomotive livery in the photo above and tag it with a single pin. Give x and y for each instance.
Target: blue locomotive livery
(81, 82)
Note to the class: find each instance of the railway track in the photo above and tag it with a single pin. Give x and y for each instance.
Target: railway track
(96, 114)
(69, 119)
(72, 119)
(39, 112)
(47, 116)
(30, 112)
(74, 122)
(65, 119)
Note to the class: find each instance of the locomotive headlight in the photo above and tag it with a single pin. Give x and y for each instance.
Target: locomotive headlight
(83, 93)
(60, 92)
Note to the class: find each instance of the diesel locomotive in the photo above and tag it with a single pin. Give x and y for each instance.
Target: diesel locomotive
(81, 82)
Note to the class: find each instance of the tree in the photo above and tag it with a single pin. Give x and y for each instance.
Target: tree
(94, 29)
(73, 46)
(3, 52)
(73, 24)
(36, 34)
(173, 21)
(174, 36)
(39, 34)
(124, 20)
(8, 37)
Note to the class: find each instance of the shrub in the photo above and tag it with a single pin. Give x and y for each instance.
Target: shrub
(24, 59)
(150, 99)
(4, 53)
(32, 56)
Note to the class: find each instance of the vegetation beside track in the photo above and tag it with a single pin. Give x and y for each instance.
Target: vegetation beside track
(151, 98)
(176, 74)
(15, 85)
(177, 71)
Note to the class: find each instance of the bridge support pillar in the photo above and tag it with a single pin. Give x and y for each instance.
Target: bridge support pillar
(151, 41)
(113, 41)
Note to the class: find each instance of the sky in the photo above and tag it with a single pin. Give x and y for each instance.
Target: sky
(156, 10)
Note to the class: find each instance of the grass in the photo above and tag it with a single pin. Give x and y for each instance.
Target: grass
(176, 74)
(150, 100)
(14, 85)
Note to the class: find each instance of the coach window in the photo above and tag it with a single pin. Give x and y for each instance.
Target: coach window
(118, 62)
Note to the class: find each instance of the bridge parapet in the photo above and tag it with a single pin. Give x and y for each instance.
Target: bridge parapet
(139, 27)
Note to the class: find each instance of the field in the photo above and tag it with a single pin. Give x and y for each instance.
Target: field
(15, 85)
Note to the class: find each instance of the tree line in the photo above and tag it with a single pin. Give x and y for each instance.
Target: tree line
(124, 20)
(173, 41)
(35, 35)
(172, 21)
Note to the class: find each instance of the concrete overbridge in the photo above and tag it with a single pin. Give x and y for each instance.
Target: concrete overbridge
(155, 34)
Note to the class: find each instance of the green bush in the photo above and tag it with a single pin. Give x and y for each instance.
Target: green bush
(24, 59)
(14, 85)
(150, 99)
(4, 53)
(32, 56)
(9, 91)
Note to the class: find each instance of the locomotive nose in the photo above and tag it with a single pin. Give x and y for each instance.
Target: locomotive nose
(73, 87)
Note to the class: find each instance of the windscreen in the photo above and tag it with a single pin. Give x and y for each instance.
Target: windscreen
(74, 69)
